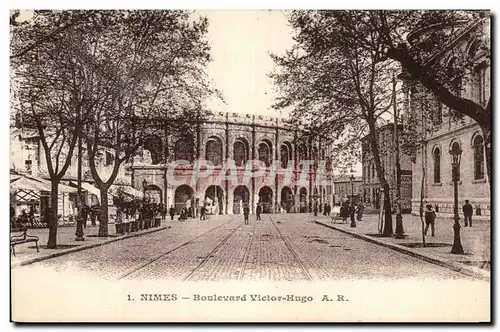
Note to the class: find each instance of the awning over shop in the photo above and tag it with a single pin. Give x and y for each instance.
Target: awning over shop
(29, 182)
(88, 187)
(133, 193)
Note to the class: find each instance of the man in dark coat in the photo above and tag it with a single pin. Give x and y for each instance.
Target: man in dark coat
(85, 214)
(258, 211)
(171, 212)
(246, 212)
(467, 210)
(203, 211)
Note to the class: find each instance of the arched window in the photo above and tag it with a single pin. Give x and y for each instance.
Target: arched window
(240, 152)
(184, 149)
(265, 153)
(285, 154)
(437, 165)
(154, 145)
(478, 146)
(213, 151)
(373, 170)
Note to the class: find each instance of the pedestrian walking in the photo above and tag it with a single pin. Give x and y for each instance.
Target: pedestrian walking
(246, 212)
(352, 212)
(360, 209)
(85, 214)
(203, 212)
(171, 212)
(94, 214)
(467, 210)
(430, 219)
(344, 211)
(258, 211)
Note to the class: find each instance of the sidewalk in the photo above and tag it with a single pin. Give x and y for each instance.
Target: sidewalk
(27, 254)
(475, 241)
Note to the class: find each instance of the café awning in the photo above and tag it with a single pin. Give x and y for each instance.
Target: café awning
(33, 183)
(128, 190)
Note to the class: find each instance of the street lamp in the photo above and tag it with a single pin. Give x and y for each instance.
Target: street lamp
(351, 212)
(456, 154)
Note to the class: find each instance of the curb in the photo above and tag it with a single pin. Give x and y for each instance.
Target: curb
(85, 247)
(457, 267)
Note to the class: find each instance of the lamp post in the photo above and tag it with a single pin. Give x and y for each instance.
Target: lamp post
(351, 212)
(456, 154)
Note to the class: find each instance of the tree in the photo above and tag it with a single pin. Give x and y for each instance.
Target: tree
(48, 84)
(156, 60)
(418, 41)
(335, 85)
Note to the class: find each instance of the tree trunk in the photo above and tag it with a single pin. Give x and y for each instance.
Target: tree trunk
(381, 176)
(54, 195)
(103, 215)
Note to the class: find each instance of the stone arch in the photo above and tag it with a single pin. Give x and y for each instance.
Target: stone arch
(287, 200)
(154, 145)
(153, 194)
(302, 152)
(265, 151)
(183, 197)
(478, 156)
(241, 197)
(216, 195)
(184, 149)
(285, 154)
(241, 151)
(266, 199)
(472, 48)
(214, 150)
(437, 155)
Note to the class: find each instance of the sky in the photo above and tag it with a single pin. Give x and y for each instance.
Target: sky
(241, 41)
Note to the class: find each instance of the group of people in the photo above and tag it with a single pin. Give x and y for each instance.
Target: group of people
(348, 210)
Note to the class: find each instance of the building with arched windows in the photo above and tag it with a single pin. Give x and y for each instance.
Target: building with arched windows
(169, 166)
(444, 129)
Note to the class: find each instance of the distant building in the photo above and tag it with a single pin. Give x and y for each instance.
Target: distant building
(343, 188)
(444, 130)
(371, 183)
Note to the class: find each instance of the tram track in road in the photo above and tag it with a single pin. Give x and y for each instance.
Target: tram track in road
(247, 251)
(294, 253)
(211, 253)
(182, 245)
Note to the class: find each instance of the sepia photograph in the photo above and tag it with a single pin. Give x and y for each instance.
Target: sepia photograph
(299, 165)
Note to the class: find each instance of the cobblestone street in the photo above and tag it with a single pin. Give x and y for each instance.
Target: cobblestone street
(280, 247)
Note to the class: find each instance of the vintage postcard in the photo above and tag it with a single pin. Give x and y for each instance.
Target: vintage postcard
(250, 165)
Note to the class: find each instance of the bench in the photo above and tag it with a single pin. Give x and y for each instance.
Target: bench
(336, 215)
(22, 238)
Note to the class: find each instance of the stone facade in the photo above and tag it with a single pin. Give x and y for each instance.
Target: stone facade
(239, 137)
(445, 129)
(343, 188)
